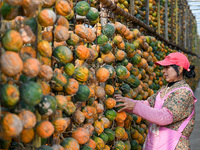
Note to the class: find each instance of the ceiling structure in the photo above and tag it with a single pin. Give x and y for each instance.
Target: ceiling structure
(195, 8)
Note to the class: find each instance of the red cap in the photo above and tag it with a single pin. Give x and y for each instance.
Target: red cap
(176, 58)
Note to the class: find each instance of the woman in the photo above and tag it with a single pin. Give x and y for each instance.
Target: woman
(170, 111)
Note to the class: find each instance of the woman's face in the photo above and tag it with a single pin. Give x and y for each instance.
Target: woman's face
(170, 74)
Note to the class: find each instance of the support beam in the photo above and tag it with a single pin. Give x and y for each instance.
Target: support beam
(176, 6)
(158, 16)
(185, 45)
(147, 12)
(179, 22)
(166, 20)
(172, 14)
(132, 9)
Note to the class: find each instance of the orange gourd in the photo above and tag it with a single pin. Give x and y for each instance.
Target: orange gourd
(118, 26)
(117, 39)
(109, 89)
(125, 137)
(61, 33)
(11, 125)
(120, 124)
(27, 51)
(28, 119)
(81, 135)
(48, 3)
(31, 67)
(81, 73)
(44, 129)
(99, 143)
(71, 87)
(123, 29)
(47, 36)
(102, 74)
(61, 101)
(30, 7)
(92, 144)
(45, 73)
(70, 108)
(44, 60)
(99, 91)
(110, 103)
(12, 41)
(89, 127)
(44, 48)
(129, 66)
(47, 17)
(106, 147)
(126, 33)
(82, 31)
(99, 108)
(121, 116)
(120, 55)
(73, 39)
(62, 21)
(130, 36)
(11, 63)
(93, 55)
(82, 52)
(62, 7)
(98, 127)
(92, 92)
(78, 116)
(143, 63)
(45, 87)
(106, 123)
(119, 132)
(61, 124)
(108, 58)
(88, 111)
(91, 35)
(27, 135)
(70, 144)
(121, 45)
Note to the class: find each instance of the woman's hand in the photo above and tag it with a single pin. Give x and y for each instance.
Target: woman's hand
(127, 105)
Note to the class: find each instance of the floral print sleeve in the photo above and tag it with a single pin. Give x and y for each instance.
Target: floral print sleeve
(178, 103)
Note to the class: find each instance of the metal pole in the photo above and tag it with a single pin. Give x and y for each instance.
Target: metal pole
(196, 37)
(158, 16)
(132, 10)
(179, 22)
(37, 139)
(172, 13)
(147, 12)
(192, 33)
(185, 45)
(166, 20)
(176, 3)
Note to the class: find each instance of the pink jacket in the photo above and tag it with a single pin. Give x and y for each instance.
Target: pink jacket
(159, 117)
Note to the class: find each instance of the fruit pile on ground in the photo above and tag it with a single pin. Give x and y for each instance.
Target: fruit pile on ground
(57, 86)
